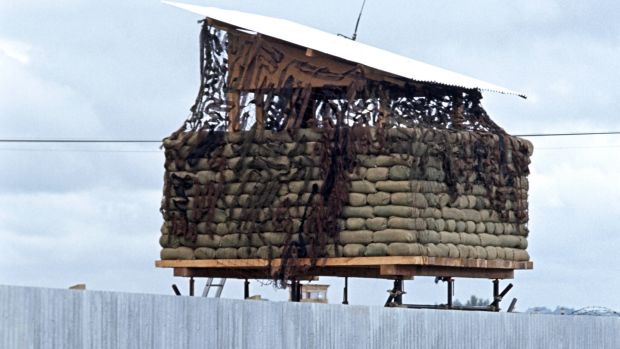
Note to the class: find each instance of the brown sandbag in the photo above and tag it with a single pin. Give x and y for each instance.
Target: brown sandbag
(353, 250)
(356, 237)
(378, 199)
(204, 253)
(377, 223)
(376, 249)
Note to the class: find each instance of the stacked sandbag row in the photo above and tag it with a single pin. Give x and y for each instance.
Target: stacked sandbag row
(413, 192)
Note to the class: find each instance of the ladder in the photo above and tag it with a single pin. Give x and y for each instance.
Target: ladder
(219, 287)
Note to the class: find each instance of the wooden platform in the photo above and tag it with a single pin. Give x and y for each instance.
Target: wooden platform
(369, 267)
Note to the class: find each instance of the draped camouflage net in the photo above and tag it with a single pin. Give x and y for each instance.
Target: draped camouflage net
(285, 157)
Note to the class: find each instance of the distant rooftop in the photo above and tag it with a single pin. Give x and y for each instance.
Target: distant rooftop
(343, 48)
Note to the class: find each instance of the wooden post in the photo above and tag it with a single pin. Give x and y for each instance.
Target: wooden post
(233, 98)
(260, 109)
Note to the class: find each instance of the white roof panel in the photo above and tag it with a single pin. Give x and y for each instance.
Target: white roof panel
(344, 48)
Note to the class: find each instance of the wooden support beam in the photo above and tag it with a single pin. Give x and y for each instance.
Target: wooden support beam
(423, 270)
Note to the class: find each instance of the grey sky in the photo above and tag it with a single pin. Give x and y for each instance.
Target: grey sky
(117, 69)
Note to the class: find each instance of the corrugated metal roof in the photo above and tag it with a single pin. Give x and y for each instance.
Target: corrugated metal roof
(344, 48)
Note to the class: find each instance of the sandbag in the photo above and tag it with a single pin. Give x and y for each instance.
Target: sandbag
(393, 186)
(212, 241)
(177, 253)
(378, 199)
(376, 249)
(377, 223)
(428, 237)
(226, 253)
(449, 238)
(355, 223)
(264, 251)
(363, 187)
(377, 174)
(204, 253)
(392, 210)
(247, 252)
(357, 199)
(360, 212)
(356, 237)
(353, 250)
(394, 235)
(399, 172)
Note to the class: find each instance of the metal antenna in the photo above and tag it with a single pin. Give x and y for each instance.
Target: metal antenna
(356, 24)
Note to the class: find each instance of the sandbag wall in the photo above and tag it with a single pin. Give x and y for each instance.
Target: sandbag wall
(412, 192)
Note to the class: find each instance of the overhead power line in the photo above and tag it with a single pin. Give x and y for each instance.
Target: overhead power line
(68, 140)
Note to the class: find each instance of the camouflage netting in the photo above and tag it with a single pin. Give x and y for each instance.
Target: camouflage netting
(362, 168)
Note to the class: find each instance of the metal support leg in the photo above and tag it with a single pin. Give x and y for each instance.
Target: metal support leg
(450, 291)
(246, 289)
(345, 291)
(191, 286)
(295, 291)
(398, 287)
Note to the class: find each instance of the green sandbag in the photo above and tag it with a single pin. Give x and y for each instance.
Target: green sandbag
(212, 241)
(394, 235)
(452, 213)
(204, 253)
(470, 239)
(263, 252)
(489, 240)
(226, 253)
(481, 252)
(376, 249)
(360, 212)
(491, 252)
(449, 238)
(521, 255)
(399, 173)
(169, 241)
(354, 250)
(432, 250)
(363, 187)
(453, 251)
(377, 174)
(489, 227)
(378, 199)
(177, 253)
(393, 211)
(356, 223)
(378, 223)
(461, 227)
(444, 250)
(234, 240)
(334, 251)
(226, 228)
(470, 227)
(247, 252)
(398, 249)
(356, 237)
(402, 223)
(277, 239)
(435, 224)
(357, 199)
(394, 186)
(471, 215)
(428, 236)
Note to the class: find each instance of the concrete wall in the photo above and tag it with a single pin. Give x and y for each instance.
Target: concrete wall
(49, 318)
